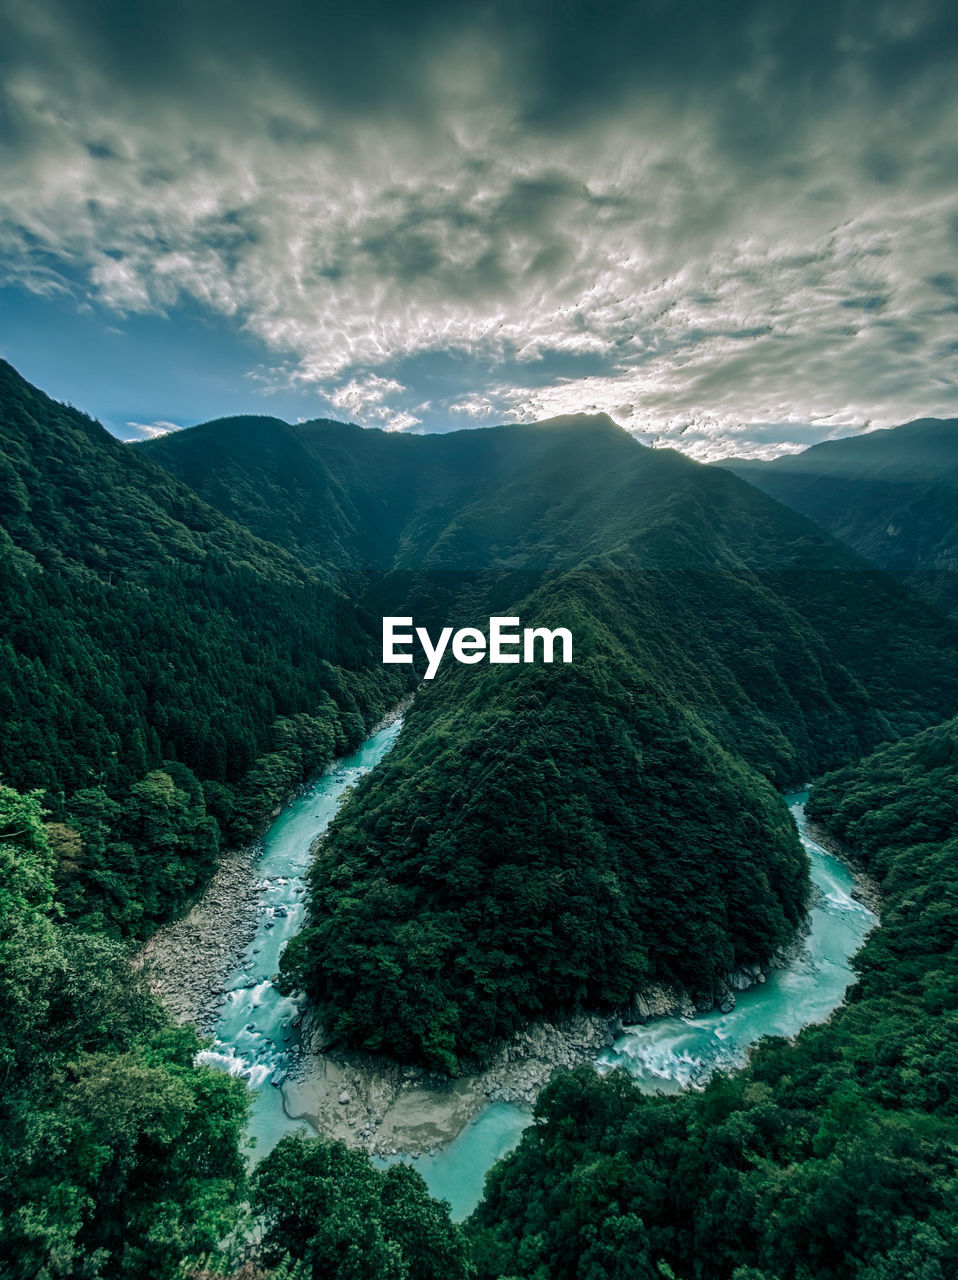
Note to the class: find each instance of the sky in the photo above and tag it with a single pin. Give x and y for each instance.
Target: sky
(733, 226)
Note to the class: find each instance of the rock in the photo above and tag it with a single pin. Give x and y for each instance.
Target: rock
(344, 1098)
(740, 980)
(724, 997)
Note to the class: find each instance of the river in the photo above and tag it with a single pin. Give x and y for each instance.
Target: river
(256, 1034)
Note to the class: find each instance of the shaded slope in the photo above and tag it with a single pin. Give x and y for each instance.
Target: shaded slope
(892, 495)
(154, 661)
(800, 638)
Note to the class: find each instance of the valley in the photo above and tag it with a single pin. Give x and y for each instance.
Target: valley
(455, 1130)
(431, 944)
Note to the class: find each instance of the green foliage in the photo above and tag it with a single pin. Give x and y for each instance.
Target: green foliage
(833, 1157)
(540, 841)
(790, 649)
(589, 853)
(324, 1204)
(146, 637)
(117, 1155)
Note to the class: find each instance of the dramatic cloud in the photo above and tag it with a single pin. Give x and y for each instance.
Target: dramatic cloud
(149, 430)
(729, 225)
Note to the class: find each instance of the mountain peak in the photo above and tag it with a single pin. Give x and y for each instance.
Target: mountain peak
(601, 421)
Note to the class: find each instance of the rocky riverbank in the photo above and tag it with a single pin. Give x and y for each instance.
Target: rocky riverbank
(385, 1108)
(867, 890)
(187, 962)
(370, 1102)
(367, 1101)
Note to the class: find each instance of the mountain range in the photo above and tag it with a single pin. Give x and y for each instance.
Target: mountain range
(723, 643)
(215, 597)
(892, 495)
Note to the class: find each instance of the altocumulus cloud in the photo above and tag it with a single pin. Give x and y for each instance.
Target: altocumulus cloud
(729, 225)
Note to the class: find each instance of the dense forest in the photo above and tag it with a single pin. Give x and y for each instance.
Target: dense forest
(117, 1155)
(788, 646)
(166, 678)
(120, 1158)
(833, 1157)
(541, 840)
(720, 641)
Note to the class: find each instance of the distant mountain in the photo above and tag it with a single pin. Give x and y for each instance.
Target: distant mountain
(453, 524)
(343, 498)
(544, 837)
(165, 674)
(892, 495)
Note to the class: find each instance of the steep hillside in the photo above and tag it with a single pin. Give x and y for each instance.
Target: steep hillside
(541, 839)
(832, 1155)
(164, 674)
(892, 495)
(811, 656)
(548, 838)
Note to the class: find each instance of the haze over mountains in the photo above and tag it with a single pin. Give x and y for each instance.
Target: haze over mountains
(892, 495)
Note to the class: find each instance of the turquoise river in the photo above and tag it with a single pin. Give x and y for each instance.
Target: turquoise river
(256, 1031)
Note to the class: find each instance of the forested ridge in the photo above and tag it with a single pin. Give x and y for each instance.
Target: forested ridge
(721, 640)
(166, 677)
(821, 655)
(540, 841)
(832, 1157)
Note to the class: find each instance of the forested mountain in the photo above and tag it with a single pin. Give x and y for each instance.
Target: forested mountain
(165, 675)
(547, 838)
(477, 520)
(892, 495)
(832, 1156)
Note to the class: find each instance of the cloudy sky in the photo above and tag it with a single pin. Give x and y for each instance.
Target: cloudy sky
(731, 225)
